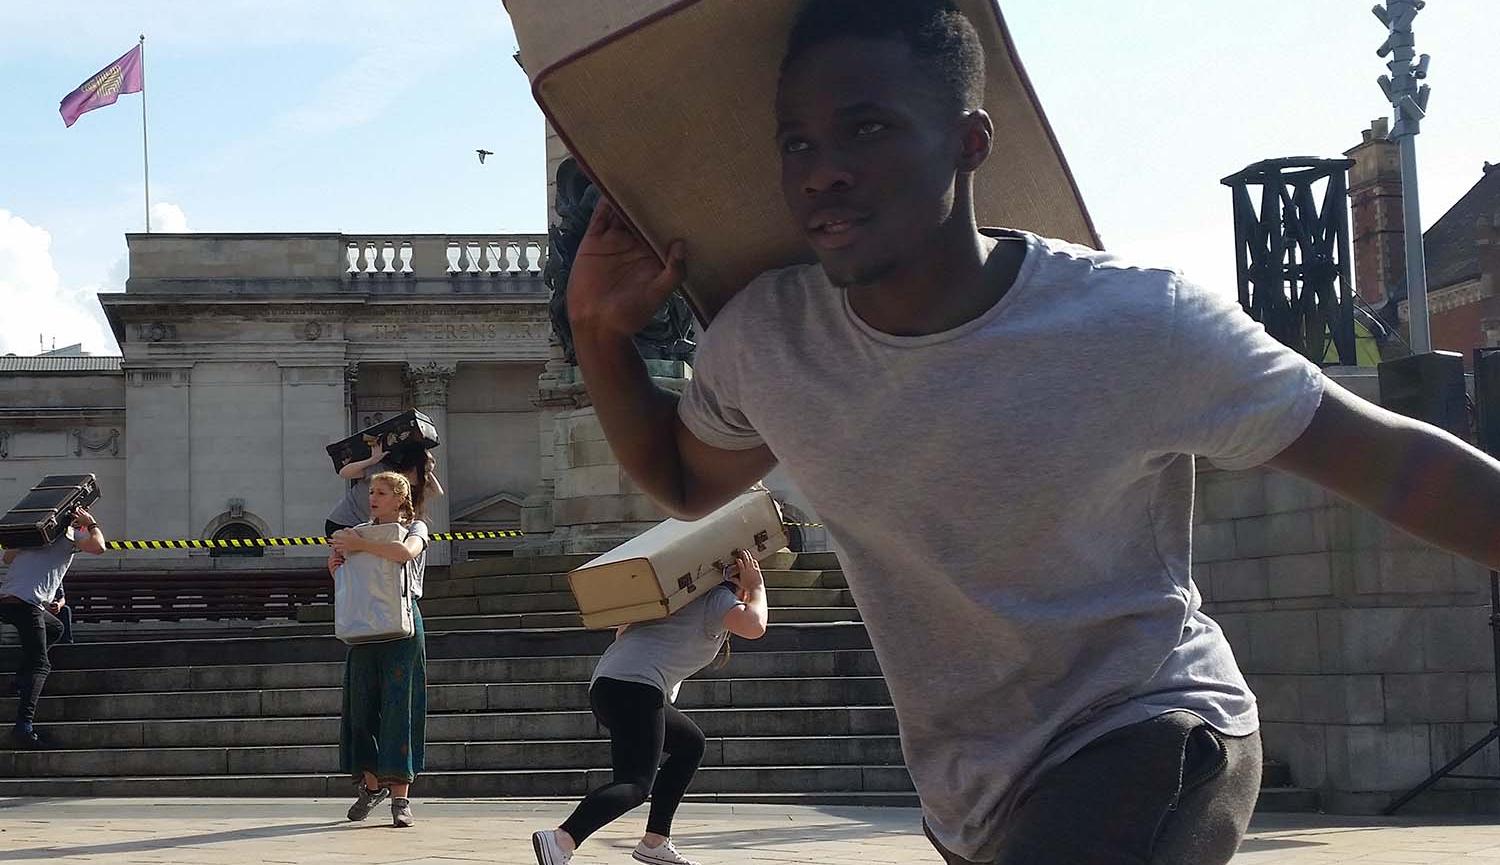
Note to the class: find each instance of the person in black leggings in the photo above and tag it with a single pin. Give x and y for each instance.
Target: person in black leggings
(632, 695)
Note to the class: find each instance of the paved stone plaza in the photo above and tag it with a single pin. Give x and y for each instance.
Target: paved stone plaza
(452, 832)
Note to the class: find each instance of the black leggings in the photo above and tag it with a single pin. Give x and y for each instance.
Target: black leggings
(38, 630)
(642, 726)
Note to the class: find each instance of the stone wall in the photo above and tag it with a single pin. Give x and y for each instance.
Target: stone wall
(64, 424)
(1369, 651)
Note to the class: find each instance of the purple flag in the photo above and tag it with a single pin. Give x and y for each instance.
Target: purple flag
(125, 75)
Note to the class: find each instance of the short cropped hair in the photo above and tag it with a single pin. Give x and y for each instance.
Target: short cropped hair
(941, 38)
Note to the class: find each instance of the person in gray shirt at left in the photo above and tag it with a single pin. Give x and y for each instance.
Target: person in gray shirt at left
(27, 588)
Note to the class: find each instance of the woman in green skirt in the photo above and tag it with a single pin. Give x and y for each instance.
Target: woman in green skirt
(385, 684)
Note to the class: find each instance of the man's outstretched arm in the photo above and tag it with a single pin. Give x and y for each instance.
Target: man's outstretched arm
(1409, 473)
(616, 285)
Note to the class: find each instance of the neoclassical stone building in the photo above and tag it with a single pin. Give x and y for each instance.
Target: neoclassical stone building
(243, 355)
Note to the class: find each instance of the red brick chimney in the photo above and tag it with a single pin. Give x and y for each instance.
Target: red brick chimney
(1379, 239)
(1487, 242)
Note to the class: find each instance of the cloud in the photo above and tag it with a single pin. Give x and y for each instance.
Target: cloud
(36, 303)
(168, 219)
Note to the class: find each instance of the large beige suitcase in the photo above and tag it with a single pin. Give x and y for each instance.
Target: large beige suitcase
(672, 564)
(668, 105)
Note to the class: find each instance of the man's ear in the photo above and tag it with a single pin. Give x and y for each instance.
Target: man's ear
(977, 139)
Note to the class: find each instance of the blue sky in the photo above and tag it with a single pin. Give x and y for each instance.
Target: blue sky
(334, 115)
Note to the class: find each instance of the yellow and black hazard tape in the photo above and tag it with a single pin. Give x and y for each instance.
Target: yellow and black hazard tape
(209, 544)
(252, 543)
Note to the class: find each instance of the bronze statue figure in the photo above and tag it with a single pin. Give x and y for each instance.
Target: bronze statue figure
(667, 337)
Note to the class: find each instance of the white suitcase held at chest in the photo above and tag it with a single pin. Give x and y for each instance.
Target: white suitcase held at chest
(372, 598)
(674, 563)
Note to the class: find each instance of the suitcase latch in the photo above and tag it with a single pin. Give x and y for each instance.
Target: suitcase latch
(761, 537)
(686, 582)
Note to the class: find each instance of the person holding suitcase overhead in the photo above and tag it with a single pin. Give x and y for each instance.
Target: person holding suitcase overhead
(27, 588)
(632, 694)
(383, 733)
(417, 464)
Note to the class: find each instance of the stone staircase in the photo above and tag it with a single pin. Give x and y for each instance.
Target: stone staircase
(800, 716)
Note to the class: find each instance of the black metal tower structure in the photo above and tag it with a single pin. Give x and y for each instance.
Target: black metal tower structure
(1292, 252)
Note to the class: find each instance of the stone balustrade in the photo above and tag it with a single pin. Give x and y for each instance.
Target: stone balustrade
(181, 259)
(436, 256)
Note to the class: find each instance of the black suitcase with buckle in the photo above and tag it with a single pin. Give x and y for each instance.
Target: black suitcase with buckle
(43, 515)
(410, 429)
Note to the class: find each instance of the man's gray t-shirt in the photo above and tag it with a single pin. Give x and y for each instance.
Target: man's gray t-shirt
(663, 652)
(35, 574)
(354, 508)
(1012, 499)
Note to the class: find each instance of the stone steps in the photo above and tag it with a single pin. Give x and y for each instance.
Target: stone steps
(590, 753)
(1290, 800)
(562, 602)
(801, 716)
(229, 732)
(544, 621)
(329, 674)
(509, 565)
(502, 643)
(487, 566)
(753, 783)
(1277, 792)
(476, 697)
(528, 583)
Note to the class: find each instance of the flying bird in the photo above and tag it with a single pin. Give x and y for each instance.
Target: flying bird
(483, 153)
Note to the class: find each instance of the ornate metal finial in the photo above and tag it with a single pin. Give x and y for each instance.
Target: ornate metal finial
(1409, 101)
(1400, 87)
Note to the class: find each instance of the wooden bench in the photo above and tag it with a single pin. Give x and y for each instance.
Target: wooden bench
(115, 596)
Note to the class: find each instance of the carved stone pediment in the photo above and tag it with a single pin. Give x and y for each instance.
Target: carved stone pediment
(501, 509)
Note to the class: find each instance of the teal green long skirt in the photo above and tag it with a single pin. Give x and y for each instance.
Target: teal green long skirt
(384, 729)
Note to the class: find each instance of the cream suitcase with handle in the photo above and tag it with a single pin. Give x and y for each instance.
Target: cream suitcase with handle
(669, 106)
(674, 563)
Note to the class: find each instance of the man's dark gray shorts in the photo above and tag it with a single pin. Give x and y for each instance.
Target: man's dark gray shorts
(1168, 791)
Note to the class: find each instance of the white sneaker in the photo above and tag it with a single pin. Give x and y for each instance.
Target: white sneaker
(666, 854)
(548, 851)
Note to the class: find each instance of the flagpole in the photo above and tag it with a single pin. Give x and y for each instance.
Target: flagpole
(145, 149)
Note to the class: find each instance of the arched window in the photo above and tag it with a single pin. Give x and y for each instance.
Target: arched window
(238, 532)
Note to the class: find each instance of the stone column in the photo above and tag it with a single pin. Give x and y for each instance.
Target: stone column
(429, 389)
(351, 387)
(311, 416)
(158, 449)
(536, 511)
(595, 505)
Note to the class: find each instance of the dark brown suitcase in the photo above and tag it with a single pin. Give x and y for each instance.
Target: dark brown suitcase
(410, 429)
(43, 514)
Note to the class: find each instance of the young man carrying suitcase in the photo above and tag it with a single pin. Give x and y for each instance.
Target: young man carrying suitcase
(27, 588)
(997, 430)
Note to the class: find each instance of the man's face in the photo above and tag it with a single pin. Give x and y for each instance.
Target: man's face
(869, 152)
